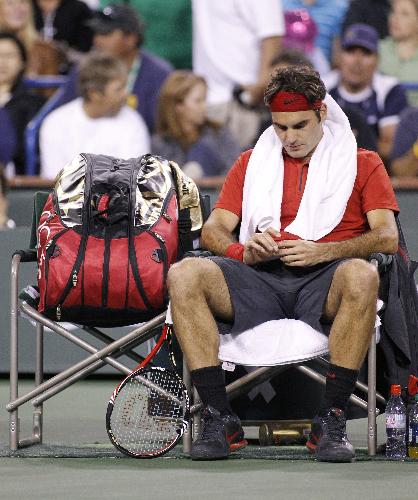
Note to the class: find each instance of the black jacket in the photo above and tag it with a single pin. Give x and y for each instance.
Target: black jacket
(21, 108)
(399, 333)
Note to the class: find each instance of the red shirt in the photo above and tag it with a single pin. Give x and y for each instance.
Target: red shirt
(372, 190)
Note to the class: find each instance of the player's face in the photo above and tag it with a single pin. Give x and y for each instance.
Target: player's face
(357, 67)
(299, 131)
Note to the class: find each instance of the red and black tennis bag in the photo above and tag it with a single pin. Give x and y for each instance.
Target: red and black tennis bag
(107, 236)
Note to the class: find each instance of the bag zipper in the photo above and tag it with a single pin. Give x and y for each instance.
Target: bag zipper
(73, 279)
(161, 243)
(49, 249)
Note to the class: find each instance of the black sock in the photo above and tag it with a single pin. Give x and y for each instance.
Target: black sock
(339, 387)
(210, 385)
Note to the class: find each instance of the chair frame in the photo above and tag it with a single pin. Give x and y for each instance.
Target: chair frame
(44, 390)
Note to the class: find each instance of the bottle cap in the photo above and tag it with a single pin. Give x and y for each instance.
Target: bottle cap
(395, 390)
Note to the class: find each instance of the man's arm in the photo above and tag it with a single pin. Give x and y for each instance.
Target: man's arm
(382, 237)
(217, 232)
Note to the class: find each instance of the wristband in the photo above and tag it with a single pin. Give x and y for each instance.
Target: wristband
(235, 251)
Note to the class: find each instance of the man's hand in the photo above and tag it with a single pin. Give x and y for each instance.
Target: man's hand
(261, 247)
(302, 252)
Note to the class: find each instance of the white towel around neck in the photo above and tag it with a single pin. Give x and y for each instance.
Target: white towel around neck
(331, 175)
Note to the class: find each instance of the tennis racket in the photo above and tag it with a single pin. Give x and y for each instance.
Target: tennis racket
(149, 410)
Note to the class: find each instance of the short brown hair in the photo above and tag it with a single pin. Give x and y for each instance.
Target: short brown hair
(97, 70)
(302, 79)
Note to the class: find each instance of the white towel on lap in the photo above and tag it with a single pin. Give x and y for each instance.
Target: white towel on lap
(331, 175)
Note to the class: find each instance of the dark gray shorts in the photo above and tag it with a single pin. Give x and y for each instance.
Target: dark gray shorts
(272, 291)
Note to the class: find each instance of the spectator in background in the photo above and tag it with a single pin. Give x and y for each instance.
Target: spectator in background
(233, 46)
(97, 122)
(44, 58)
(328, 16)
(200, 146)
(64, 21)
(301, 32)
(119, 32)
(399, 52)
(372, 12)
(169, 28)
(17, 102)
(379, 98)
(404, 154)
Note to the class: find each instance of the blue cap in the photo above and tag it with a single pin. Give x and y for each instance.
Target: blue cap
(361, 35)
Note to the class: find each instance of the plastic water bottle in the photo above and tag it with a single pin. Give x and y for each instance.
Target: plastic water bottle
(413, 430)
(395, 425)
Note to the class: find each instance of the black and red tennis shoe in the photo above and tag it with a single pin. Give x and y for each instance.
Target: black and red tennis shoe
(221, 434)
(328, 437)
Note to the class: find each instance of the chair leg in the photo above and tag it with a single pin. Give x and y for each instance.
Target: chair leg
(39, 378)
(14, 374)
(371, 397)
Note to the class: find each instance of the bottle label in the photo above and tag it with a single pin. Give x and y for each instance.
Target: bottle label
(413, 434)
(395, 421)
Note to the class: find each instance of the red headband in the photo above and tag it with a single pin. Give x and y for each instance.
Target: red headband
(292, 101)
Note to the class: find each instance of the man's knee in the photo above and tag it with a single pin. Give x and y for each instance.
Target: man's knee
(187, 276)
(360, 280)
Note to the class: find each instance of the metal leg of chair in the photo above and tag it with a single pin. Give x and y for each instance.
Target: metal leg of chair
(371, 397)
(39, 378)
(14, 374)
(187, 436)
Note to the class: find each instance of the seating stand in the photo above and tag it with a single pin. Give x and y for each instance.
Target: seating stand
(44, 390)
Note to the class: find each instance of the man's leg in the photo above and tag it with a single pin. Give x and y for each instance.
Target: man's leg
(198, 293)
(351, 304)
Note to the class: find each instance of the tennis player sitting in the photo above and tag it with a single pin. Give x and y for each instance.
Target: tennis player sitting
(311, 208)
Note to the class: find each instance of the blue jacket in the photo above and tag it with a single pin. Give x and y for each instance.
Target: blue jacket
(8, 140)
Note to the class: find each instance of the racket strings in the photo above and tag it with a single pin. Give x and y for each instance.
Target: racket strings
(145, 421)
